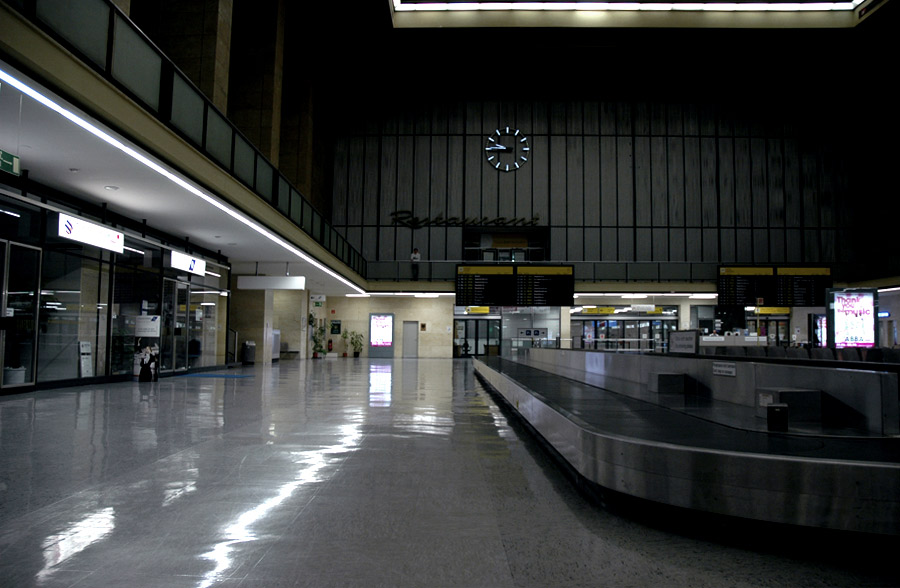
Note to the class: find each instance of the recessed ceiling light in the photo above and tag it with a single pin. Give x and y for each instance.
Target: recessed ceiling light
(111, 188)
(74, 170)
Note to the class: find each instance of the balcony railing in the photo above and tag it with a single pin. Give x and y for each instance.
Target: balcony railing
(106, 40)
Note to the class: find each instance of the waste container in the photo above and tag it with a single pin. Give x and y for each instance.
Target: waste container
(248, 353)
(777, 417)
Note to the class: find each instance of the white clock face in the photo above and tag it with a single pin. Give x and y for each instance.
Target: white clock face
(507, 149)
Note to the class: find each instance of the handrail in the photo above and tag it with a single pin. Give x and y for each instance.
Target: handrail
(173, 89)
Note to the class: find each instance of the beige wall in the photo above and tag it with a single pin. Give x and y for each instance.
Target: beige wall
(290, 317)
(435, 313)
(252, 317)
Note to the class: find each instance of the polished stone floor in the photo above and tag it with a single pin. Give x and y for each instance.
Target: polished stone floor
(349, 473)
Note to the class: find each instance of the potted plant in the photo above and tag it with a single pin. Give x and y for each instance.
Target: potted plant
(345, 336)
(356, 341)
(318, 337)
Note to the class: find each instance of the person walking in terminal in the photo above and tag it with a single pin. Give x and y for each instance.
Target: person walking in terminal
(414, 260)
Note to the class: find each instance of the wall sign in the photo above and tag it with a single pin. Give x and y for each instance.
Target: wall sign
(186, 263)
(854, 313)
(406, 218)
(76, 229)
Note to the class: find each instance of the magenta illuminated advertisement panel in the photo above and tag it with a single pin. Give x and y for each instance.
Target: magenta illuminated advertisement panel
(854, 319)
(381, 330)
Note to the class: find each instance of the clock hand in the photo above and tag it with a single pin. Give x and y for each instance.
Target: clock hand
(497, 147)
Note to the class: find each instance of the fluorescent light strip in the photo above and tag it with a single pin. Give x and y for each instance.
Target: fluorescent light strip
(399, 6)
(27, 90)
(10, 213)
(126, 248)
(209, 273)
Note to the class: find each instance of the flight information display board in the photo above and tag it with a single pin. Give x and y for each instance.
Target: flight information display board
(771, 286)
(515, 285)
(545, 285)
(485, 285)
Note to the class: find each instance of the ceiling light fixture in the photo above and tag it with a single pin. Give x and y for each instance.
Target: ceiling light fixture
(109, 139)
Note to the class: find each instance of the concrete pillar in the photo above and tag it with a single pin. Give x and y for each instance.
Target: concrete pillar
(684, 316)
(195, 35)
(252, 316)
(255, 81)
(565, 328)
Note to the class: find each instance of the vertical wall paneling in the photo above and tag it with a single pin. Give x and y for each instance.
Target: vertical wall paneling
(642, 189)
(675, 169)
(355, 181)
(368, 211)
(475, 166)
(406, 153)
(726, 181)
(591, 118)
(592, 175)
(709, 174)
(339, 182)
(692, 184)
(626, 242)
(743, 191)
(384, 244)
(761, 246)
(759, 182)
(558, 181)
(608, 250)
(592, 244)
(608, 117)
(643, 244)
(540, 173)
(438, 197)
(744, 241)
(421, 176)
(793, 204)
(575, 244)
(612, 181)
(575, 161)
(608, 177)
(775, 169)
(557, 243)
(658, 182)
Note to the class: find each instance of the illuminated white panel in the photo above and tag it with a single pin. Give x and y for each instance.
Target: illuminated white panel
(72, 227)
(271, 283)
(186, 263)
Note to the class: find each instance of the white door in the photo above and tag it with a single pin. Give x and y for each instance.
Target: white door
(410, 339)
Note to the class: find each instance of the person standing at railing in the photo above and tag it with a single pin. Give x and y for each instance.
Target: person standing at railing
(414, 261)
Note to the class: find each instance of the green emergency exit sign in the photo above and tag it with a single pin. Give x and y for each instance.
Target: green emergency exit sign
(9, 163)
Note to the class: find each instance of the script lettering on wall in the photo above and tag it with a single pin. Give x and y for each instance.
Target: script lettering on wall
(405, 218)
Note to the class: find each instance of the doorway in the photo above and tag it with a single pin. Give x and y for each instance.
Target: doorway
(20, 268)
(476, 337)
(173, 343)
(410, 339)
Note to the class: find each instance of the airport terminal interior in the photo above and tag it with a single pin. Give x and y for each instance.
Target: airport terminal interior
(419, 293)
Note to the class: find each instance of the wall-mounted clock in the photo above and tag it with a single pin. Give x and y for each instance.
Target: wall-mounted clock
(507, 149)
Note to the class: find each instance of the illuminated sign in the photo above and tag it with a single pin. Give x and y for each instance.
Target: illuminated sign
(76, 229)
(186, 263)
(381, 330)
(854, 318)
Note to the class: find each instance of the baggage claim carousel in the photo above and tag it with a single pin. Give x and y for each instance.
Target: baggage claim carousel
(690, 449)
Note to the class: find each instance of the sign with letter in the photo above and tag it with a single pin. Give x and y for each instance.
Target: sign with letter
(77, 229)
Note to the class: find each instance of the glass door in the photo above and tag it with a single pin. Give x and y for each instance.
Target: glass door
(21, 271)
(174, 332)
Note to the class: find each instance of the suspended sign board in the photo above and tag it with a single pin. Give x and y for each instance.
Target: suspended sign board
(186, 263)
(77, 229)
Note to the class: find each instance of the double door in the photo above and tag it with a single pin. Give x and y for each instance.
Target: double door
(476, 337)
(20, 268)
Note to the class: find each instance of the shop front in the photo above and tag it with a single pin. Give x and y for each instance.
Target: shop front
(82, 299)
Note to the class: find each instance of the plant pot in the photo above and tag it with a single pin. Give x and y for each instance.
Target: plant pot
(356, 354)
(345, 354)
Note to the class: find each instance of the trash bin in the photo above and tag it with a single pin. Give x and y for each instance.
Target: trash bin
(777, 417)
(248, 353)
